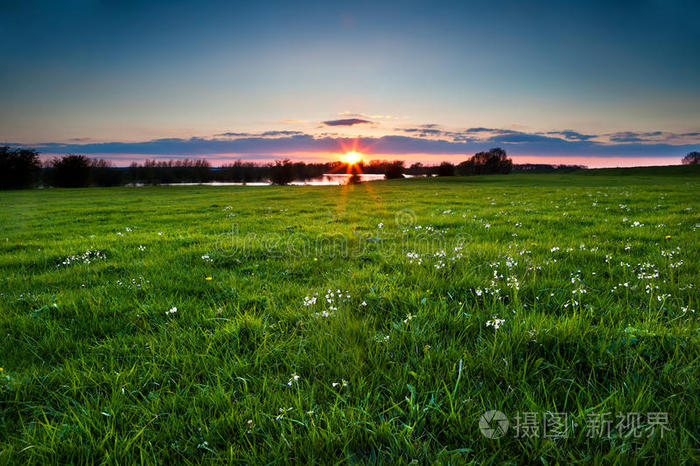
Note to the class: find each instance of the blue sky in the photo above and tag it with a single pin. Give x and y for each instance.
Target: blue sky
(551, 80)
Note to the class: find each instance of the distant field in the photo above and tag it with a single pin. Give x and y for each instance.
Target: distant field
(369, 323)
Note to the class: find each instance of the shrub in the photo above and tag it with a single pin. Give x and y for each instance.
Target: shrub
(693, 158)
(70, 171)
(104, 174)
(19, 168)
(282, 173)
(393, 170)
(486, 163)
(446, 169)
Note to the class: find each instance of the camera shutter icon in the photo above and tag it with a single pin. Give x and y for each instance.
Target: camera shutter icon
(493, 424)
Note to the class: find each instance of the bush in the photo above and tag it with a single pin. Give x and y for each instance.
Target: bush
(103, 174)
(486, 163)
(282, 173)
(418, 169)
(19, 168)
(70, 171)
(446, 169)
(393, 170)
(693, 158)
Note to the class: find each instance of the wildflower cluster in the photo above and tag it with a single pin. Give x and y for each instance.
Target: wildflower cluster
(495, 322)
(332, 299)
(134, 283)
(86, 258)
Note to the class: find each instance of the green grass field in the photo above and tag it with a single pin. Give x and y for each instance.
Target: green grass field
(369, 323)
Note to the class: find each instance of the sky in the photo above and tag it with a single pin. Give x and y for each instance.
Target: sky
(599, 83)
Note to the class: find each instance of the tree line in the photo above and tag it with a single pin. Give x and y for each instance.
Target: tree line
(22, 168)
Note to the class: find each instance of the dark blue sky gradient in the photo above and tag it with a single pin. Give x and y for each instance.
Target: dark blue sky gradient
(103, 71)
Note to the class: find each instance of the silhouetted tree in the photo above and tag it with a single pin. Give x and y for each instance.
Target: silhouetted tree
(446, 169)
(70, 171)
(19, 168)
(242, 172)
(189, 171)
(416, 169)
(375, 167)
(168, 171)
(693, 158)
(484, 163)
(104, 174)
(282, 173)
(393, 170)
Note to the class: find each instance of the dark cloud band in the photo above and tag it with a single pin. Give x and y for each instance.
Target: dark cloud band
(280, 143)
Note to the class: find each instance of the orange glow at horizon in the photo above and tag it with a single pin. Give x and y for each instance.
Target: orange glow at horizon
(352, 157)
(352, 154)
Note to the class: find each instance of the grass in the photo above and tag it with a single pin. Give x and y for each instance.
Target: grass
(598, 316)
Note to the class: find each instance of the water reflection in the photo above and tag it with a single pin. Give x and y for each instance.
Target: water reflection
(328, 179)
(336, 179)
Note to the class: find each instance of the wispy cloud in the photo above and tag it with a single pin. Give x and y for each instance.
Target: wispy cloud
(631, 136)
(480, 133)
(347, 122)
(573, 135)
(423, 131)
(264, 134)
(369, 116)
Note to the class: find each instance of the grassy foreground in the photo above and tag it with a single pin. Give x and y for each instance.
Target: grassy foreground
(370, 323)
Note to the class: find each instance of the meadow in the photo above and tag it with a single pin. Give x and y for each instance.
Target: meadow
(373, 323)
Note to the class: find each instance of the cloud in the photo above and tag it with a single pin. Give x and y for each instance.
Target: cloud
(367, 116)
(481, 129)
(433, 130)
(631, 136)
(478, 130)
(516, 137)
(482, 134)
(280, 133)
(346, 122)
(281, 145)
(626, 139)
(574, 135)
(410, 142)
(233, 134)
(264, 134)
(423, 131)
(653, 136)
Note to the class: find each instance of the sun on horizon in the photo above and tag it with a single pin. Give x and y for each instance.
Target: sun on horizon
(352, 157)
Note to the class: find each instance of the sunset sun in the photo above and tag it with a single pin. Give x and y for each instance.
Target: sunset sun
(351, 158)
